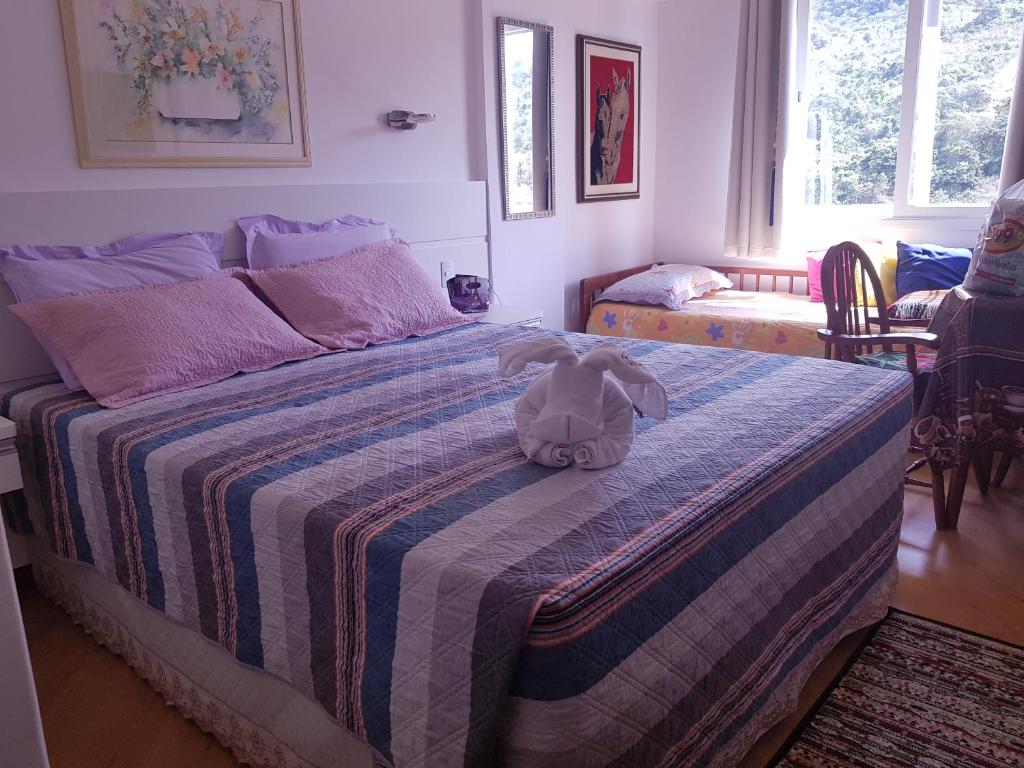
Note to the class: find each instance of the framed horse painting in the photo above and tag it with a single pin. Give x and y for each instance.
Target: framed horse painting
(608, 121)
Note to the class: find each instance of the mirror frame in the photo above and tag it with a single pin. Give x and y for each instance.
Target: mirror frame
(502, 22)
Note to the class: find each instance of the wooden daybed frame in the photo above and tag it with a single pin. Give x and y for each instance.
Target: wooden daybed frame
(762, 279)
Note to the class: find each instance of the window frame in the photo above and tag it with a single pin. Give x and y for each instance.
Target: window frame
(920, 53)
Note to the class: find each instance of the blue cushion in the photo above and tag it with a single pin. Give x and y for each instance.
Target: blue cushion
(929, 267)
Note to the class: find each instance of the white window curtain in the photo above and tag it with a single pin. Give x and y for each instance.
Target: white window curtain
(1012, 170)
(765, 83)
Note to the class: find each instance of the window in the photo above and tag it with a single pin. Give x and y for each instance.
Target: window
(905, 104)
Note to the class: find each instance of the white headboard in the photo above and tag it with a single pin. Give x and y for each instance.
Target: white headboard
(443, 221)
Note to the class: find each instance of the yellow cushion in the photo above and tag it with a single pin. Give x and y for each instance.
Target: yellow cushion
(887, 275)
(883, 258)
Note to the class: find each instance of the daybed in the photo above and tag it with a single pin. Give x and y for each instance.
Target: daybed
(768, 310)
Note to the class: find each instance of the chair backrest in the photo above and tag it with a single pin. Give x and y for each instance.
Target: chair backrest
(846, 296)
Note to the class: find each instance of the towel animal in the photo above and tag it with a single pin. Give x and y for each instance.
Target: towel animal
(573, 412)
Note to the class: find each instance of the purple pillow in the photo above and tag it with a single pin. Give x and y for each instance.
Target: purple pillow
(372, 295)
(214, 242)
(36, 272)
(271, 241)
(131, 344)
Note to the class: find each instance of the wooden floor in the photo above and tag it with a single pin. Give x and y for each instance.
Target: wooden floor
(96, 712)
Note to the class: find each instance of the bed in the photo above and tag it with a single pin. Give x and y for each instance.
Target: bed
(767, 311)
(348, 560)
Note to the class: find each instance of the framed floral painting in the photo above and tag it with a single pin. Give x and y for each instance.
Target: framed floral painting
(195, 83)
(608, 119)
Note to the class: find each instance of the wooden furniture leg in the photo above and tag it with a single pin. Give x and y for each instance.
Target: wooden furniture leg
(1004, 467)
(939, 499)
(957, 484)
(983, 469)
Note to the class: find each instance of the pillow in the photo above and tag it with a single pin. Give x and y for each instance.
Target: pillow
(36, 272)
(887, 274)
(131, 344)
(814, 278)
(271, 241)
(919, 305)
(667, 284)
(213, 241)
(929, 267)
(371, 295)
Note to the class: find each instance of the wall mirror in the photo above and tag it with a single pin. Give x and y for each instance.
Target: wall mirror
(525, 61)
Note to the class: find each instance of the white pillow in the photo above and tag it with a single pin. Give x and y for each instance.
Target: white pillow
(667, 284)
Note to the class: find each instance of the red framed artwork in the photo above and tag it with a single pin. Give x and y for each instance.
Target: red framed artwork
(608, 120)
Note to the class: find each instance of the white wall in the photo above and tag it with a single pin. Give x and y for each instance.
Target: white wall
(541, 261)
(697, 67)
(362, 59)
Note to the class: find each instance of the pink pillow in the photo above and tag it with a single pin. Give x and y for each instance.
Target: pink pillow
(37, 272)
(814, 279)
(130, 344)
(370, 295)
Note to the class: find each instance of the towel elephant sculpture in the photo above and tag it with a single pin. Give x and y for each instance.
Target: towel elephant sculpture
(573, 412)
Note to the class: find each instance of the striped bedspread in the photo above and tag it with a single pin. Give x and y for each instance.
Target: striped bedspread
(365, 526)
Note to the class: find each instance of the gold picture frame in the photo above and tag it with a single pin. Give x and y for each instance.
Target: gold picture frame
(196, 86)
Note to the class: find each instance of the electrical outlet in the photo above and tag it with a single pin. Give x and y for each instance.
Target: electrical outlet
(447, 271)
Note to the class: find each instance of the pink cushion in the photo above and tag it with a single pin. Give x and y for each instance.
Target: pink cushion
(37, 272)
(371, 295)
(131, 344)
(814, 279)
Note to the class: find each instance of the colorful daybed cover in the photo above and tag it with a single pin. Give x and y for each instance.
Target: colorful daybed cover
(758, 321)
(365, 526)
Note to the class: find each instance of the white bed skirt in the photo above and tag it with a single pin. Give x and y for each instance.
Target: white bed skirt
(264, 721)
(260, 718)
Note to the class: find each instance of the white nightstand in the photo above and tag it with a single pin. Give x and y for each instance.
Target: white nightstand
(510, 314)
(10, 472)
(10, 480)
(21, 732)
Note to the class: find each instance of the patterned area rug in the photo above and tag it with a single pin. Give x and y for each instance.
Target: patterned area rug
(921, 694)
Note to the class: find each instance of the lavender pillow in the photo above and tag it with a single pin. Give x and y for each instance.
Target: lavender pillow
(36, 272)
(271, 241)
(213, 241)
(371, 295)
(131, 344)
(668, 284)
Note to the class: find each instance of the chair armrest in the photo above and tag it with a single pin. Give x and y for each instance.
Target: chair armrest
(922, 339)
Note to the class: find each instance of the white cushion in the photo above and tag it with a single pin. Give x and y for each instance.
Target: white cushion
(668, 284)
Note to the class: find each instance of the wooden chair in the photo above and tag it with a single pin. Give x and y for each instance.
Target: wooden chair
(851, 338)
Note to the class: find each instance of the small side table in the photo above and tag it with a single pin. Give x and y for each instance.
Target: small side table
(510, 314)
(21, 731)
(968, 411)
(10, 472)
(10, 480)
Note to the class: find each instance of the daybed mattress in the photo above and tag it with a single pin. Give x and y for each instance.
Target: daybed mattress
(365, 527)
(759, 321)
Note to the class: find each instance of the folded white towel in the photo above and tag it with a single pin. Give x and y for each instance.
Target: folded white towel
(573, 412)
